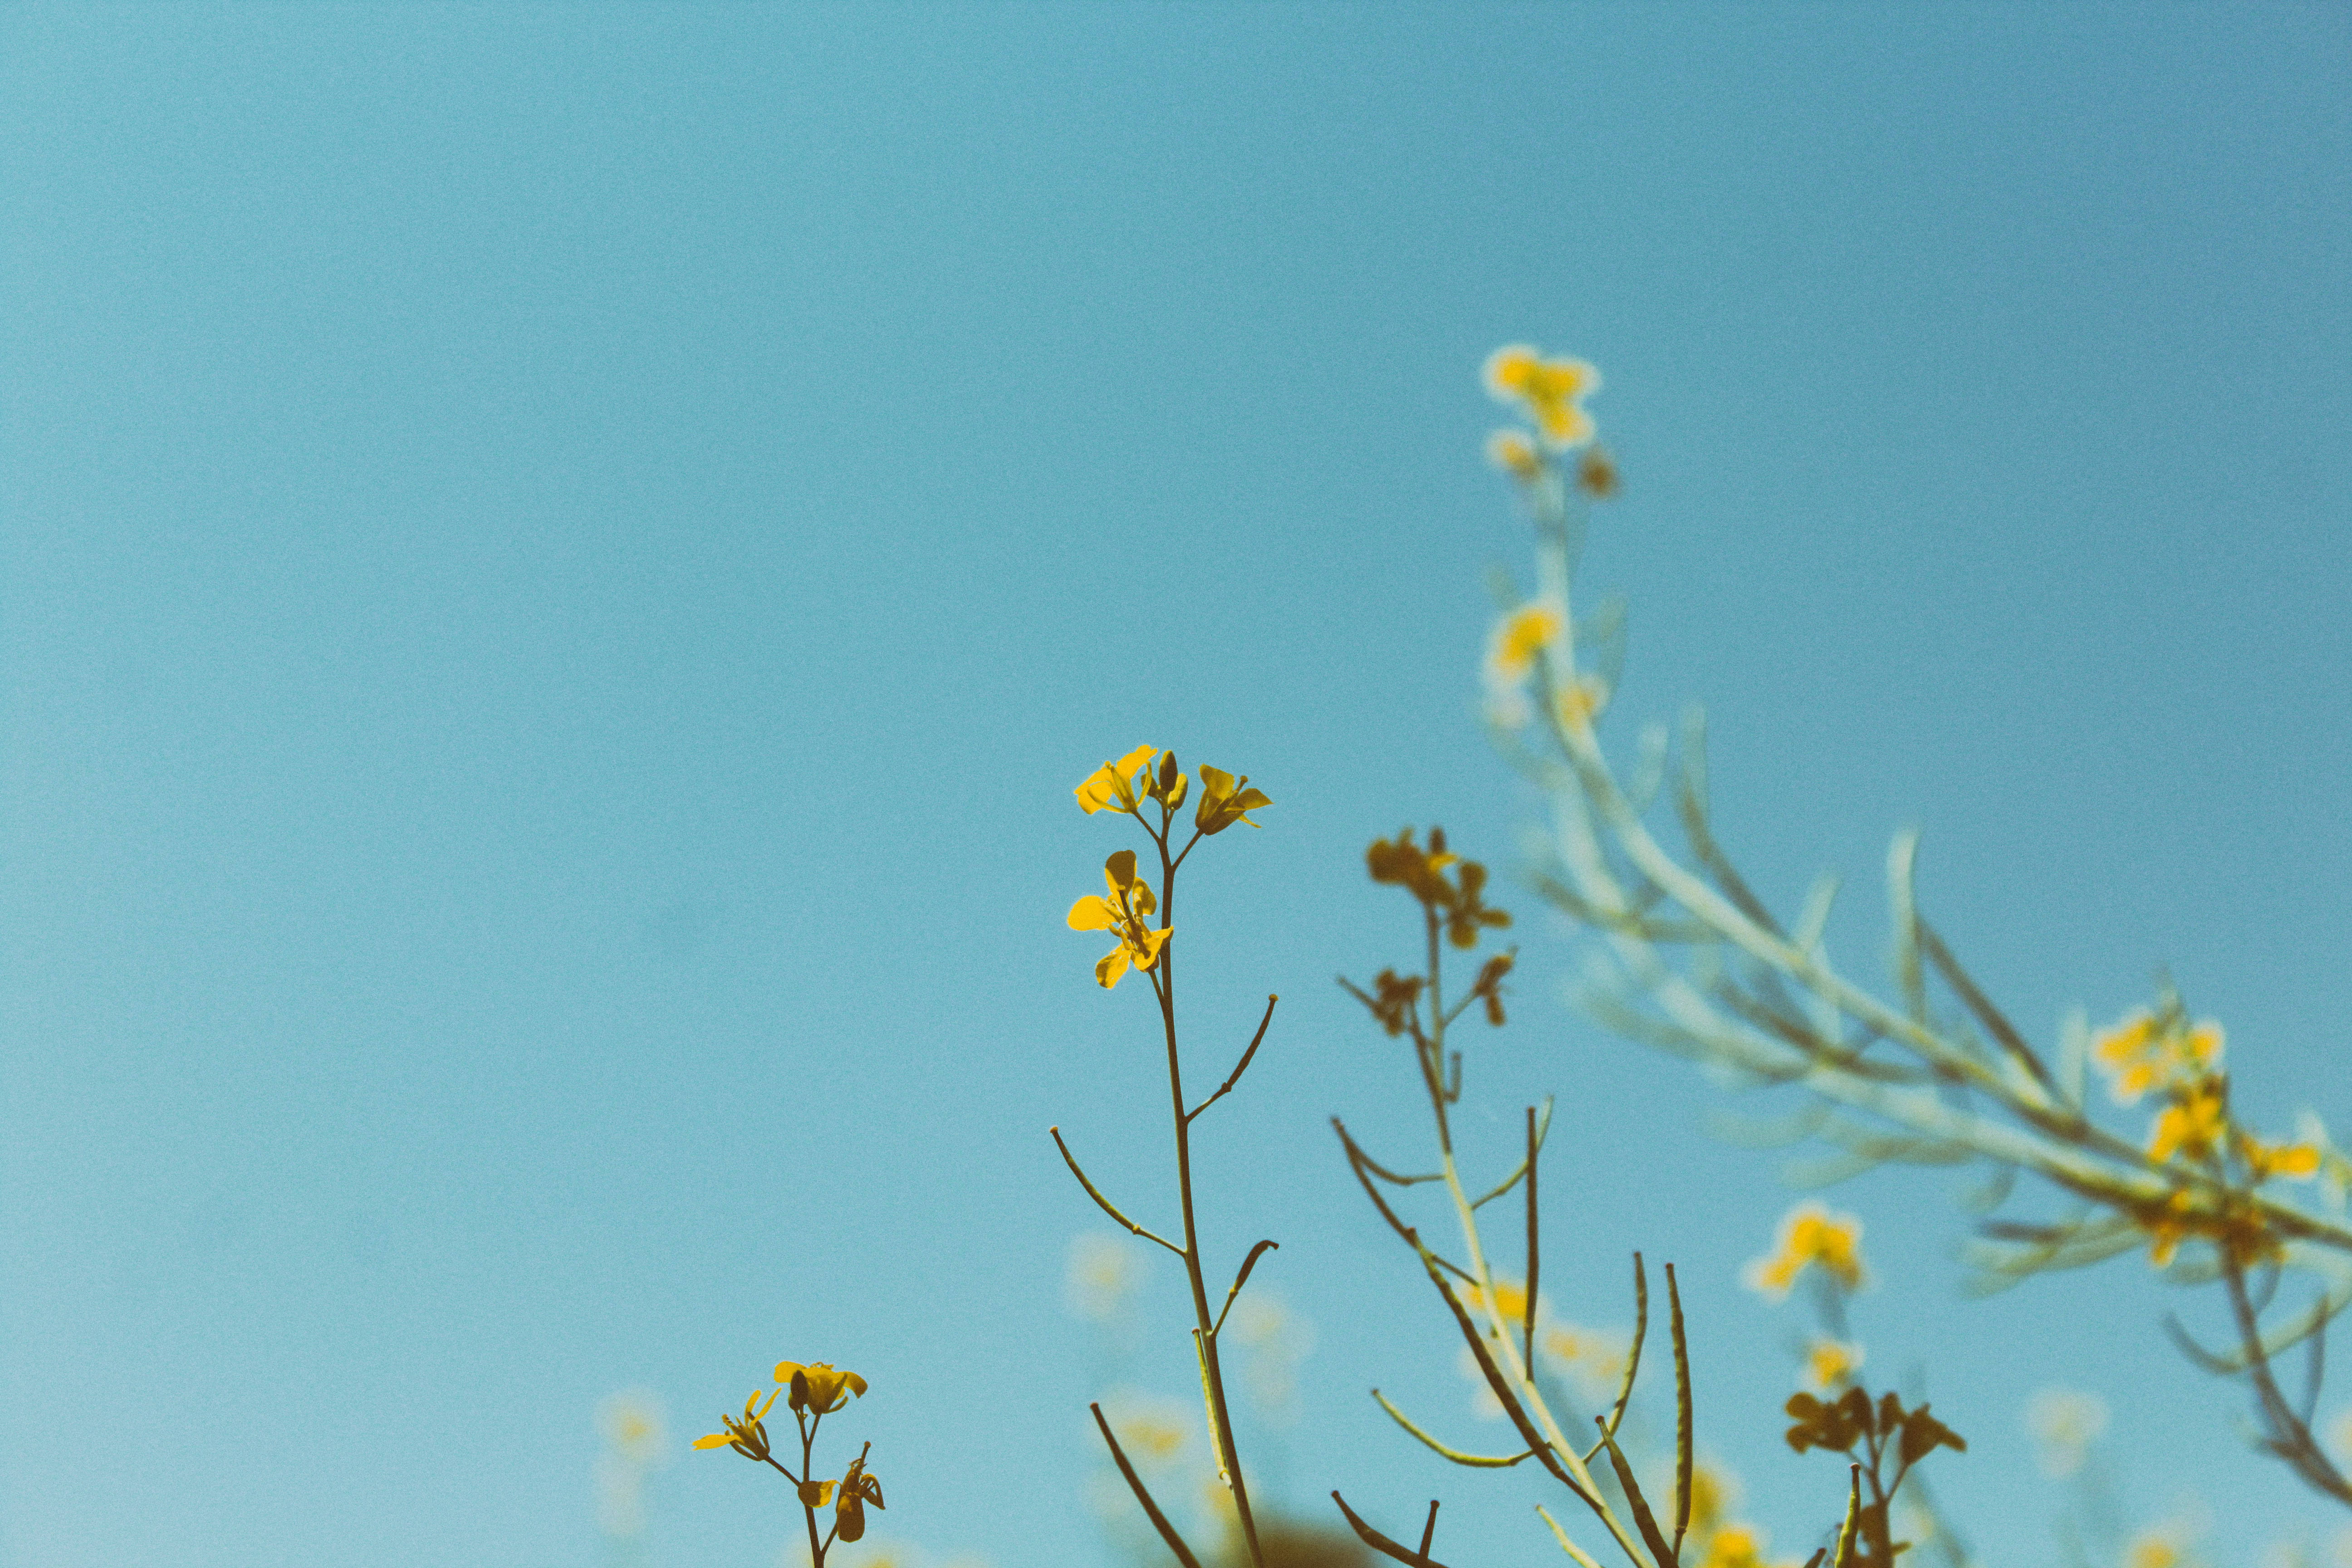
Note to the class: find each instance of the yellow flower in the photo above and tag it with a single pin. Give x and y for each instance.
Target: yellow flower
(1830, 1363)
(1112, 785)
(1511, 451)
(1715, 1492)
(857, 1489)
(746, 1436)
(2146, 1051)
(2065, 1422)
(2193, 1125)
(2298, 1162)
(1551, 390)
(1517, 638)
(1127, 912)
(1810, 1237)
(1735, 1546)
(1581, 703)
(1510, 1300)
(1224, 800)
(2152, 1549)
(818, 1388)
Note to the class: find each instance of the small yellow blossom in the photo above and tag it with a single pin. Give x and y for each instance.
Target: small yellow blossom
(857, 1489)
(1127, 912)
(2298, 1162)
(1736, 1546)
(1510, 1300)
(1715, 1492)
(2065, 1422)
(1225, 800)
(1829, 1363)
(1153, 1431)
(1111, 787)
(818, 1388)
(1511, 451)
(1581, 701)
(748, 1434)
(1517, 638)
(2192, 1125)
(2147, 1051)
(1552, 391)
(1105, 1270)
(1810, 1237)
(2152, 1549)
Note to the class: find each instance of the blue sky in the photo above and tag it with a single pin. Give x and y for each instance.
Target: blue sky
(561, 563)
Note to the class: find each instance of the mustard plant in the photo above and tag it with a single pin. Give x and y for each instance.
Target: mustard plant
(1693, 962)
(811, 1392)
(1499, 1316)
(1152, 794)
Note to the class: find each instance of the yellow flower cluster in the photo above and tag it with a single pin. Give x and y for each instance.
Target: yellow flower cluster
(1830, 1364)
(1551, 392)
(2158, 1051)
(1810, 1236)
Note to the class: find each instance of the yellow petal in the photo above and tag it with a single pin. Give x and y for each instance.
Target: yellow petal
(784, 1370)
(1093, 912)
(715, 1440)
(856, 1383)
(1119, 872)
(816, 1494)
(1508, 369)
(1110, 967)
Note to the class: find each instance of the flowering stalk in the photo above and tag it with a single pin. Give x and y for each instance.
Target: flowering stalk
(1697, 966)
(1133, 787)
(811, 1392)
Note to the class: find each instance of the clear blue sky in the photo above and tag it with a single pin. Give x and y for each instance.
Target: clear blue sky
(561, 564)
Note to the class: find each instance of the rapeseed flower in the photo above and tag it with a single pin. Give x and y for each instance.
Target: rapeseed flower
(1810, 1236)
(2149, 1050)
(747, 1434)
(1551, 391)
(1111, 787)
(1225, 800)
(1517, 641)
(2193, 1125)
(819, 1389)
(1511, 451)
(2065, 1422)
(1829, 1363)
(1126, 912)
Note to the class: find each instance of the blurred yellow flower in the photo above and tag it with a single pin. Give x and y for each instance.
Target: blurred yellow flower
(1830, 1363)
(2193, 1125)
(1736, 1546)
(818, 1388)
(1126, 912)
(2065, 1422)
(1552, 391)
(1517, 638)
(1111, 787)
(1511, 451)
(2146, 1051)
(1715, 1492)
(2298, 1162)
(1105, 1271)
(1810, 1237)
(2152, 1549)
(746, 1436)
(1581, 703)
